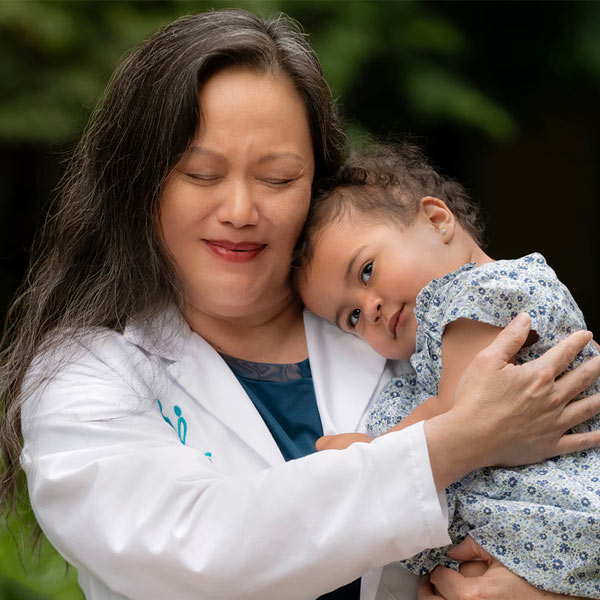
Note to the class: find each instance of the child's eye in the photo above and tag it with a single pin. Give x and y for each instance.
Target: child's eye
(366, 272)
(353, 318)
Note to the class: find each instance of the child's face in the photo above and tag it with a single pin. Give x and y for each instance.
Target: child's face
(365, 277)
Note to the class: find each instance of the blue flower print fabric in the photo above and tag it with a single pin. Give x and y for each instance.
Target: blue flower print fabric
(542, 521)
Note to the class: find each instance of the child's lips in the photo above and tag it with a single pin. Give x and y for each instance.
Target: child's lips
(393, 322)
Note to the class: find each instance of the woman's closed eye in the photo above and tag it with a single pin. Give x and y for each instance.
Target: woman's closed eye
(277, 181)
(204, 178)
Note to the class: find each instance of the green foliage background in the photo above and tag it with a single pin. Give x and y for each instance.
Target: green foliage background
(501, 94)
(58, 55)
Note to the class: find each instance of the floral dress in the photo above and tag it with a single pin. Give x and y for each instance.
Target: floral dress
(542, 521)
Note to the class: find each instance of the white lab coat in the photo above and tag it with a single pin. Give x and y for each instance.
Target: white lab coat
(143, 516)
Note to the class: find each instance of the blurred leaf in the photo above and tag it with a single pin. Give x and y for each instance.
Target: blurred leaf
(13, 590)
(430, 33)
(57, 56)
(44, 26)
(31, 575)
(587, 40)
(438, 94)
(346, 42)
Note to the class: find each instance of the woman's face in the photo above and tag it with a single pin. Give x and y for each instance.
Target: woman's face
(232, 209)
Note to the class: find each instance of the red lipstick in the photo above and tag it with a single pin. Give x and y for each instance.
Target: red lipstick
(236, 252)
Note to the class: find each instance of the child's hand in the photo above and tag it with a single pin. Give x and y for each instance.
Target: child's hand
(495, 582)
(340, 441)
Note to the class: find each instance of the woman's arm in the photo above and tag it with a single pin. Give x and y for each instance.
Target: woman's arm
(121, 498)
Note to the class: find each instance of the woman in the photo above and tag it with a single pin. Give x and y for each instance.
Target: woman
(163, 326)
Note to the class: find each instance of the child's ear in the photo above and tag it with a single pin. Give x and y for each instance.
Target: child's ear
(440, 217)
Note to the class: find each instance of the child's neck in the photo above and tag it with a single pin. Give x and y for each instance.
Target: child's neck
(464, 249)
(479, 257)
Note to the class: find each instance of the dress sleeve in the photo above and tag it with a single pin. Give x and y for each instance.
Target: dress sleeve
(496, 292)
(119, 496)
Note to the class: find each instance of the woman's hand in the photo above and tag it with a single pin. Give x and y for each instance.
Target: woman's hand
(506, 414)
(497, 583)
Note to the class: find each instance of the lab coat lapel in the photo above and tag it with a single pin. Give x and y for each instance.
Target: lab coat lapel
(206, 377)
(346, 372)
(197, 368)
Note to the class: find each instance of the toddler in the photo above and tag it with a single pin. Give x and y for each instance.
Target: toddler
(391, 253)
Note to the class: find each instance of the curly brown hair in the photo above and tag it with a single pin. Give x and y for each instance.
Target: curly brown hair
(386, 182)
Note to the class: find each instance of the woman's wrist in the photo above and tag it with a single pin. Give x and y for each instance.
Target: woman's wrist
(455, 449)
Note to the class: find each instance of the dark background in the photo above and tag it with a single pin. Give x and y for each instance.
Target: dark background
(505, 97)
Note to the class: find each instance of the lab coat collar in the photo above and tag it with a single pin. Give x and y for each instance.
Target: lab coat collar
(165, 334)
(205, 376)
(198, 368)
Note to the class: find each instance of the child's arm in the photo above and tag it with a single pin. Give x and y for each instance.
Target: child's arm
(426, 410)
(461, 341)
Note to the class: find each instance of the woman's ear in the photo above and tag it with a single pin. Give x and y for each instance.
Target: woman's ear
(440, 217)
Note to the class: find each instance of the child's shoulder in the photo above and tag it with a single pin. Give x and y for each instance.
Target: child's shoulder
(531, 271)
(496, 292)
(517, 269)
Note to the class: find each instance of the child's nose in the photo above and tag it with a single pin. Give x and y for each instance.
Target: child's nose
(373, 312)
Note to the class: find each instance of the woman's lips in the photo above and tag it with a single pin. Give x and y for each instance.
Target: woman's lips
(236, 252)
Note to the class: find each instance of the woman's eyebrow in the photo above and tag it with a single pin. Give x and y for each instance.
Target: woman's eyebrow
(278, 155)
(265, 158)
(203, 151)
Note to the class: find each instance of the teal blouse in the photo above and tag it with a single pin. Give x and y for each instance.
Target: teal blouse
(284, 395)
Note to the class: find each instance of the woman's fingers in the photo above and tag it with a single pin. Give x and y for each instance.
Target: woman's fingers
(577, 380)
(559, 357)
(509, 341)
(517, 414)
(579, 411)
(575, 442)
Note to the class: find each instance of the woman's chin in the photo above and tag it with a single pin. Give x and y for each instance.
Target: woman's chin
(235, 304)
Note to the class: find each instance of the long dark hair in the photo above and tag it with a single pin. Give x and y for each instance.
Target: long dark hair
(98, 261)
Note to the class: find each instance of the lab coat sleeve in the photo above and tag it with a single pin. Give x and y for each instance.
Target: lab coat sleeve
(118, 494)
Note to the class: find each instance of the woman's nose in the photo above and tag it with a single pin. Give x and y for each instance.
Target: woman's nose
(373, 310)
(238, 206)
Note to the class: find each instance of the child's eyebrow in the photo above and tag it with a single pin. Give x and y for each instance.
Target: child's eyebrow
(352, 260)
